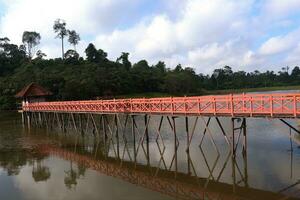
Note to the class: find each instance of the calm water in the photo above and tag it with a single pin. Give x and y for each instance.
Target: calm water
(40, 163)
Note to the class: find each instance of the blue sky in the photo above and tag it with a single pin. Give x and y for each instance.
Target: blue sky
(202, 34)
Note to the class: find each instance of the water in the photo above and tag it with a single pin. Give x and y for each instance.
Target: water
(41, 163)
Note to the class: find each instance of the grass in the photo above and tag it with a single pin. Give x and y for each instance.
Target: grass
(262, 89)
(209, 92)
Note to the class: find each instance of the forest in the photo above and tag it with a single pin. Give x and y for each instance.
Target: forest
(94, 76)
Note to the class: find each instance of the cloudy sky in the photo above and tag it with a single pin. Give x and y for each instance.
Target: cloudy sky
(203, 34)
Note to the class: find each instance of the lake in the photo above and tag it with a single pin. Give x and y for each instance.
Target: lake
(48, 163)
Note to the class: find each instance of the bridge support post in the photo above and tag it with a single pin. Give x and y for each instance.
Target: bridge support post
(289, 125)
(237, 131)
(40, 119)
(244, 127)
(147, 138)
(175, 145)
(117, 135)
(133, 136)
(188, 144)
(23, 118)
(28, 120)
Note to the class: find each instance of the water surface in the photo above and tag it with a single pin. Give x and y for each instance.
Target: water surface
(41, 163)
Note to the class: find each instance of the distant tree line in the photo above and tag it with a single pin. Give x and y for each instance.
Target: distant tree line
(95, 76)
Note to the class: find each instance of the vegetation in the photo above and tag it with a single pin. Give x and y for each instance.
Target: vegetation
(95, 76)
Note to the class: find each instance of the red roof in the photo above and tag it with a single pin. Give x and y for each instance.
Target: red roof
(33, 90)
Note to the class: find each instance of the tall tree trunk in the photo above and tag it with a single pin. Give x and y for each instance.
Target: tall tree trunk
(62, 48)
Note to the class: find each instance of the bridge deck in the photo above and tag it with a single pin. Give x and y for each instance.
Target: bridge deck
(276, 105)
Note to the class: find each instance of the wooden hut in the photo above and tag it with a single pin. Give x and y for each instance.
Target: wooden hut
(33, 93)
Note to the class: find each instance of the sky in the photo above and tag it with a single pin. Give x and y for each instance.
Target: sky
(203, 34)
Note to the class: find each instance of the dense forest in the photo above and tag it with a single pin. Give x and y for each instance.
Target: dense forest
(95, 76)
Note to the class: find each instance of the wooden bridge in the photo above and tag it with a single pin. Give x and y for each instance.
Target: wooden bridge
(241, 105)
(238, 107)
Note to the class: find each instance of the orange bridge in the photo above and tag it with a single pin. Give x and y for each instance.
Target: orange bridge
(281, 105)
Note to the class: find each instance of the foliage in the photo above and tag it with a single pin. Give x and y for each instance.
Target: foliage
(96, 76)
(30, 39)
(60, 29)
(74, 38)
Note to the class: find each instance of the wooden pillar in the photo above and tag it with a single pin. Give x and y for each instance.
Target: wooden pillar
(187, 144)
(117, 135)
(233, 137)
(147, 138)
(133, 135)
(175, 146)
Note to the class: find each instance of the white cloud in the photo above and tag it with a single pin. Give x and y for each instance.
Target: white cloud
(293, 58)
(203, 34)
(87, 17)
(279, 44)
(199, 27)
(279, 8)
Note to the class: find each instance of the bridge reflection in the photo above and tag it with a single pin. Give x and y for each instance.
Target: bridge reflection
(169, 182)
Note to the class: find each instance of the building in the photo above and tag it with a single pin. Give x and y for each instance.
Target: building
(33, 93)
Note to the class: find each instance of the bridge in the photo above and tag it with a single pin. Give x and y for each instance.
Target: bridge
(241, 105)
(127, 126)
(81, 115)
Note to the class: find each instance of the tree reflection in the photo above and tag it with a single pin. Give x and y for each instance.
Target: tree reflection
(12, 160)
(40, 172)
(81, 170)
(72, 175)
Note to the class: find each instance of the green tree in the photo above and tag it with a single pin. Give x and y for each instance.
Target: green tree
(40, 54)
(74, 38)
(59, 28)
(124, 60)
(91, 53)
(71, 57)
(30, 39)
(94, 55)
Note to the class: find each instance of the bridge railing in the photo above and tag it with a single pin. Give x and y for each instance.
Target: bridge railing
(272, 105)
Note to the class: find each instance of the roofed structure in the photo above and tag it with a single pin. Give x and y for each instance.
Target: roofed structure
(33, 90)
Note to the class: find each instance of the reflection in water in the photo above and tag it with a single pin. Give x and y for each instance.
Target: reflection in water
(183, 187)
(40, 172)
(72, 175)
(205, 170)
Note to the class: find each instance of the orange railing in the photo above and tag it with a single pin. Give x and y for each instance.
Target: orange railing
(262, 105)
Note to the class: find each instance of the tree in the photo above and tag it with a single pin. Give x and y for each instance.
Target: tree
(94, 55)
(91, 52)
(101, 55)
(59, 27)
(74, 38)
(161, 66)
(40, 55)
(178, 68)
(71, 56)
(296, 71)
(30, 39)
(4, 40)
(124, 60)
